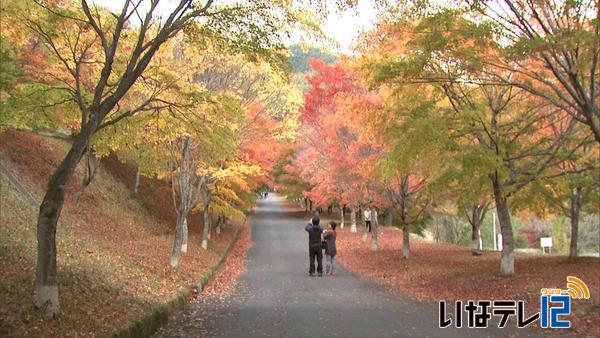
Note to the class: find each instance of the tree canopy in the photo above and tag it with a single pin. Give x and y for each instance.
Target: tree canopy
(455, 108)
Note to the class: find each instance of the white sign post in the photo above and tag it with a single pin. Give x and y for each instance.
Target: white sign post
(500, 244)
(546, 242)
(494, 224)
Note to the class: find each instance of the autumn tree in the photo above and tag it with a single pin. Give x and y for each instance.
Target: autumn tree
(471, 194)
(102, 55)
(325, 159)
(475, 214)
(113, 83)
(415, 161)
(505, 125)
(569, 189)
(206, 139)
(185, 184)
(222, 191)
(271, 107)
(286, 176)
(361, 112)
(551, 50)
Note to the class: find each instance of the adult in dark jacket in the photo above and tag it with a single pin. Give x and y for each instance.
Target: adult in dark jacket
(315, 249)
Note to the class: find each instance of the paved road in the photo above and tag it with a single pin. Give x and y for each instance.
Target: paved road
(277, 298)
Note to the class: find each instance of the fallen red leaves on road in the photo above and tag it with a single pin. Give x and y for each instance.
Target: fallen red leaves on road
(225, 279)
(449, 272)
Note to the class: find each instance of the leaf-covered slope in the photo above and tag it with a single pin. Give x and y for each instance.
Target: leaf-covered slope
(112, 251)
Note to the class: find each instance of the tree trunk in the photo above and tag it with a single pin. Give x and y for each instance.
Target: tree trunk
(374, 223)
(594, 121)
(90, 165)
(507, 261)
(352, 219)
(389, 217)
(206, 229)
(136, 186)
(342, 217)
(225, 222)
(574, 217)
(363, 223)
(310, 204)
(405, 242)
(476, 217)
(474, 246)
(210, 228)
(361, 217)
(574, 236)
(46, 282)
(187, 191)
(218, 227)
(178, 243)
(404, 219)
(184, 243)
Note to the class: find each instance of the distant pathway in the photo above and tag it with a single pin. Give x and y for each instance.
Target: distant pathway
(277, 298)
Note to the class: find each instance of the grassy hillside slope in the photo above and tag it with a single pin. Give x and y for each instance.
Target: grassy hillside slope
(113, 252)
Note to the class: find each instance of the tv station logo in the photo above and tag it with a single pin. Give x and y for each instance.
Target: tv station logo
(555, 307)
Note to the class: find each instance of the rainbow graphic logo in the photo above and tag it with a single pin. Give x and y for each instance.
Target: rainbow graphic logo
(550, 314)
(576, 288)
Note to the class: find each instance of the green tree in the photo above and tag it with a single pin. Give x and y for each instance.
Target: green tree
(416, 159)
(569, 191)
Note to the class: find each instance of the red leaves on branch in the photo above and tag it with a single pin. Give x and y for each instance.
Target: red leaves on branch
(338, 150)
(325, 85)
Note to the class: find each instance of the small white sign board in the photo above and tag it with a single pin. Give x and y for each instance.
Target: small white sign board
(546, 242)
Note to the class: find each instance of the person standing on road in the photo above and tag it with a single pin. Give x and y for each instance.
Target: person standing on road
(367, 215)
(330, 250)
(315, 248)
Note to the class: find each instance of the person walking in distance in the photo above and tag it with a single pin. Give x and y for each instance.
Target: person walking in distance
(315, 248)
(367, 215)
(330, 249)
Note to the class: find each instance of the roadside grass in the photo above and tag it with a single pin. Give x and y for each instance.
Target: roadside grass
(113, 253)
